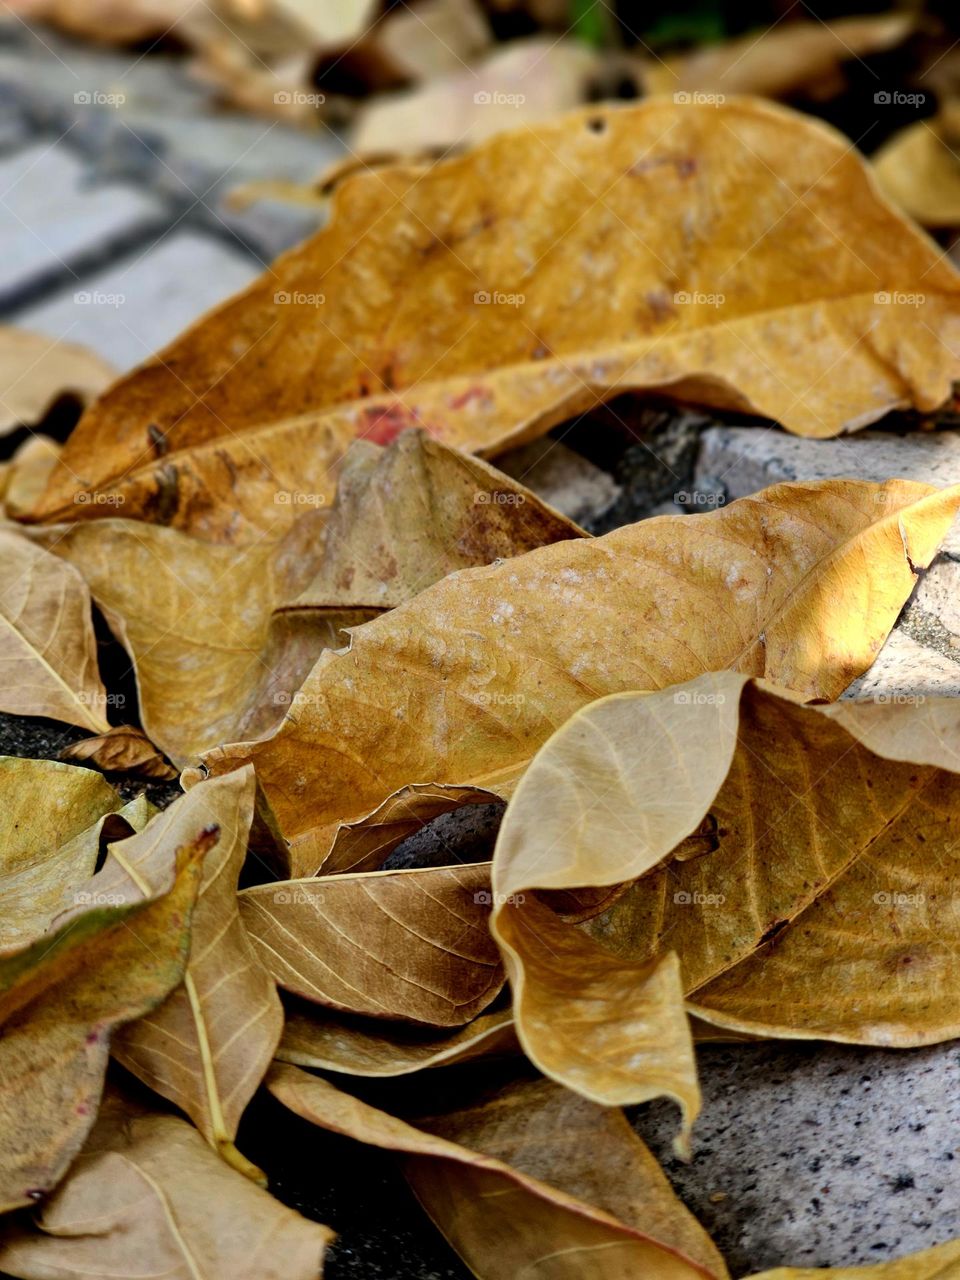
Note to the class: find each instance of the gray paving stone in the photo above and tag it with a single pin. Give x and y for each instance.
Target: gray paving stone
(561, 477)
(55, 222)
(921, 657)
(138, 305)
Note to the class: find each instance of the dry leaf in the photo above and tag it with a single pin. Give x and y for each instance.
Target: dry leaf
(436, 37)
(147, 1191)
(47, 646)
(124, 749)
(36, 370)
(409, 515)
(519, 321)
(518, 84)
(781, 60)
(50, 818)
(24, 477)
(210, 1042)
(577, 1195)
(464, 683)
(939, 1263)
(392, 944)
(363, 1047)
(821, 910)
(60, 999)
(919, 171)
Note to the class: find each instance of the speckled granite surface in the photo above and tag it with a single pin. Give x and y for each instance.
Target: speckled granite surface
(817, 1154)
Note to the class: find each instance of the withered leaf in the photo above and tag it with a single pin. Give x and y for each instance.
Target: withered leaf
(47, 645)
(918, 169)
(393, 944)
(938, 1263)
(531, 1180)
(61, 997)
(36, 370)
(361, 1047)
(146, 1186)
(464, 683)
(123, 749)
(822, 912)
(24, 478)
(688, 292)
(210, 1042)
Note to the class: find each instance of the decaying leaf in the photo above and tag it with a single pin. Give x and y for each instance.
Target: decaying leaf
(36, 370)
(49, 840)
(412, 945)
(24, 478)
(210, 1042)
(938, 1263)
(47, 646)
(463, 684)
(688, 290)
(821, 910)
(123, 749)
(530, 1180)
(61, 997)
(362, 1047)
(918, 169)
(146, 1190)
(782, 60)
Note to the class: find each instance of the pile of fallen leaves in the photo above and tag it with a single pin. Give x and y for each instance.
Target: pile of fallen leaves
(344, 623)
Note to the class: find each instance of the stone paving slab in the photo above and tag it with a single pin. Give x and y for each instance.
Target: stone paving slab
(131, 309)
(55, 222)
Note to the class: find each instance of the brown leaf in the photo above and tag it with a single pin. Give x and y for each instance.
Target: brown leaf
(61, 997)
(703, 183)
(823, 909)
(412, 945)
(147, 1190)
(918, 169)
(36, 370)
(24, 478)
(210, 1042)
(363, 1047)
(47, 645)
(780, 61)
(124, 749)
(938, 1263)
(531, 1180)
(464, 683)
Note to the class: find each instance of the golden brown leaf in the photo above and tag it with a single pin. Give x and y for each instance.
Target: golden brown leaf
(918, 169)
(147, 1187)
(671, 205)
(782, 60)
(362, 1047)
(36, 370)
(464, 683)
(207, 1046)
(47, 646)
(124, 749)
(939, 1263)
(24, 478)
(395, 944)
(530, 1180)
(61, 997)
(821, 911)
